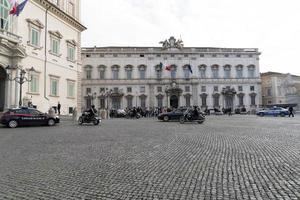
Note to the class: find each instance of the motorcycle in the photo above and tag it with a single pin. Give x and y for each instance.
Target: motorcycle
(86, 117)
(189, 116)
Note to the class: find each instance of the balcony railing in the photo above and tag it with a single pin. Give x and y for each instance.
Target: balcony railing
(4, 34)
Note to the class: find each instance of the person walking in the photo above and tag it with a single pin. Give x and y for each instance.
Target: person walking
(291, 111)
(58, 108)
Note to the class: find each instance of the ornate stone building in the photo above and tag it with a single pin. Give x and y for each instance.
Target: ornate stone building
(46, 36)
(280, 89)
(171, 76)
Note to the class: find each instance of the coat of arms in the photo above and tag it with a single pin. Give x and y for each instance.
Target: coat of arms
(172, 43)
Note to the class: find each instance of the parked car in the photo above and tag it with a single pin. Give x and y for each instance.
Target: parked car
(173, 115)
(26, 117)
(275, 111)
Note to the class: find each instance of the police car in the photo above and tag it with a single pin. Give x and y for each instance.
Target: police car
(27, 116)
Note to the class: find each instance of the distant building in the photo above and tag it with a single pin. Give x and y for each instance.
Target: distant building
(280, 89)
(46, 36)
(120, 77)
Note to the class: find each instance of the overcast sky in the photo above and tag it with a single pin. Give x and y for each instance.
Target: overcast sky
(273, 26)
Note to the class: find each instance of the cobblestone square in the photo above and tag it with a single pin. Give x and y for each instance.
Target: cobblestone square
(237, 157)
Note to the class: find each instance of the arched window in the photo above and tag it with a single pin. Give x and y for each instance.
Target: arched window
(142, 71)
(173, 71)
(115, 72)
(239, 71)
(101, 70)
(202, 70)
(227, 71)
(186, 71)
(88, 71)
(4, 14)
(251, 71)
(158, 71)
(128, 69)
(215, 71)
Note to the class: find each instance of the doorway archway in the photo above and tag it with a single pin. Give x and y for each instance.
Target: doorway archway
(174, 101)
(2, 87)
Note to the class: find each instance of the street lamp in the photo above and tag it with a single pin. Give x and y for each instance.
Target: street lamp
(19, 79)
(91, 98)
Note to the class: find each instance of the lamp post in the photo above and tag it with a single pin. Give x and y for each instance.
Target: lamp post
(21, 79)
(91, 98)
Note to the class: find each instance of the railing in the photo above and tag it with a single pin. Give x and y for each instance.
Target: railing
(10, 36)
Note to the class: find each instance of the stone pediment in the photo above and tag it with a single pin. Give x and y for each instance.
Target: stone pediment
(56, 34)
(72, 42)
(36, 22)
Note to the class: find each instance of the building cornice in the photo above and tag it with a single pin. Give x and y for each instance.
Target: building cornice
(61, 14)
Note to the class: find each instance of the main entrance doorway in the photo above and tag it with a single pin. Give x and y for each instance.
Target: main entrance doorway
(2, 88)
(174, 101)
(229, 101)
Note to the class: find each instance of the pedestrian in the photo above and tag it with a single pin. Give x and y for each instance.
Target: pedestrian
(229, 111)
(74, 115)
(58, 108)
(291, 111)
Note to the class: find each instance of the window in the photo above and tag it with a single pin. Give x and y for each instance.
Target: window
(203, 99)
(239, 71)
(143, 101)
(34, 84)
(216, 88)
(215, 72)
(240, 88)
(71, 89)
(241, 100)
(252, 98)
(216, 100)
(227, 71)
(34, 37)
(251, 88)
(142, 74)
(251, 71)
(53, 87)
(202, 70)
(142, 89)
(129, 74)
(129, 101)
(88, 73)
(186, 72)
(71, 8)
(269, 92)
(129, 89)
(203, 88)
(115, 74)
(71, 53)
(4, 14)
(173, 72)
(187, 88)
(102, 74)
(160, 101)
(187, 100)
(102, 103)
(88, 91)
(54, 43)
(158, 74)
(116, 89)
(159, 89)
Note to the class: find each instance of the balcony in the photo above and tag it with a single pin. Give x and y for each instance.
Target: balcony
(11, 37)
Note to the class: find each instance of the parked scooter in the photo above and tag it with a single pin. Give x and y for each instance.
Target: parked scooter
(87, 117)
(190, 116)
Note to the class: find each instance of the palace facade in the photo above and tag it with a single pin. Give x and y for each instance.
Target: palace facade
(46, 36)
(171, 76)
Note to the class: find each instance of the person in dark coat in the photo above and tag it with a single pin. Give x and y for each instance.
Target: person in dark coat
(291, 111)
(58, 108)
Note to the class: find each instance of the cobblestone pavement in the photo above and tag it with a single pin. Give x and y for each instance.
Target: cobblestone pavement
(238, 157)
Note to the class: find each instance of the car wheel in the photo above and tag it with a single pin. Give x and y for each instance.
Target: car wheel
(200, 121)
(12, 124)
(51, 122)
(261, 114)
(96, 122)
(181, 120)
(80, 121)
(282, 114)
(166, 118)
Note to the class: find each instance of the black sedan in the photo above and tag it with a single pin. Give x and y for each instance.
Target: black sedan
(173, 115)
(26, 117)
